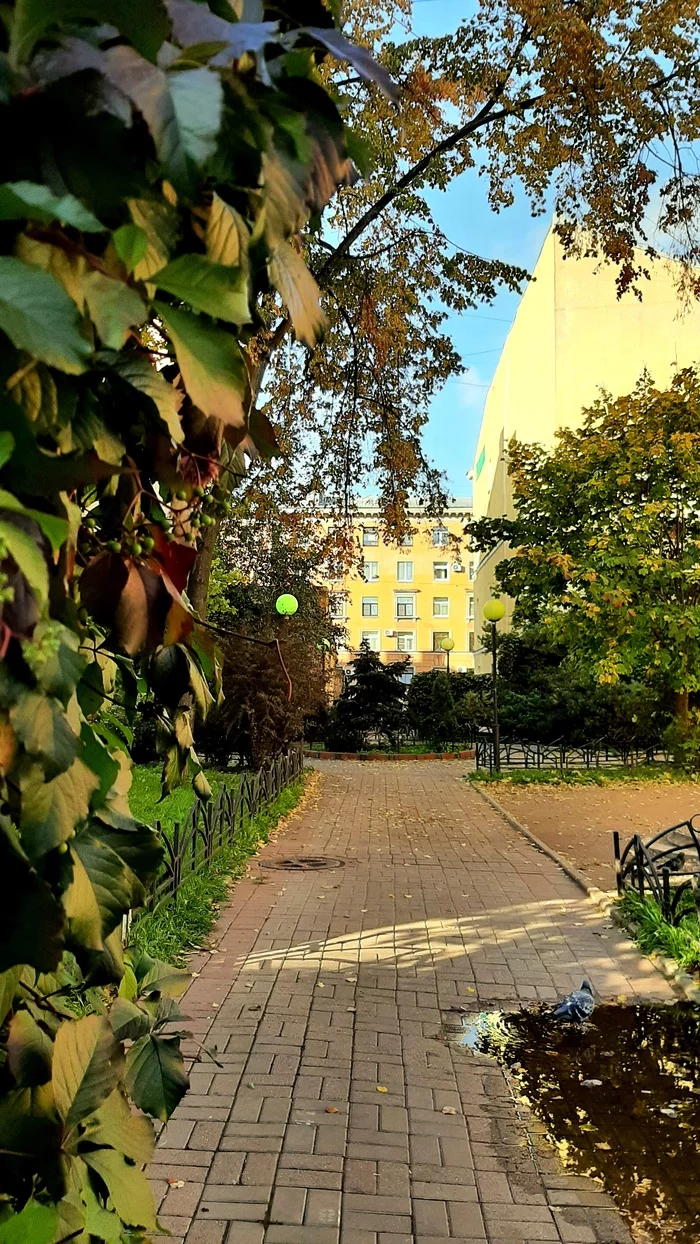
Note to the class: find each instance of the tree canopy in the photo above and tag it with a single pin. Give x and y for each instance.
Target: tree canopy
(605, 545)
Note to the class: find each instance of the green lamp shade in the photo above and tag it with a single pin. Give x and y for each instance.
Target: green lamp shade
(494, 610)
(286, 604)
(447, 644)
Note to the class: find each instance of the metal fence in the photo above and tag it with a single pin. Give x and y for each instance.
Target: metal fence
(664, 866)
(193, 844)
(517, 754)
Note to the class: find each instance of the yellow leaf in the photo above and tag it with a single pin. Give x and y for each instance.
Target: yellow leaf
(382, 1089)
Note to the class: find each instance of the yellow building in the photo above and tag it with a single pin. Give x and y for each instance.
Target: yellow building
(571, 337)
(404, 601)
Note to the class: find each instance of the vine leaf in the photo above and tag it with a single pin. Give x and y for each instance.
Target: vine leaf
(357, 56)
(138, 371)
(31, 918)
(128, 1187)
(192, 24)
(28, 557)
(144, 22)
(114, 1124)
(28, 200)
(299, 292)
(212, 287)
(227, 236)
(38, 316)
(87, 1065)
(29, 1051)
(114, 308)
(41, 725)
(51, 810)
(131, 243)
(35, 1224)
(155, 1076)
(211, 363)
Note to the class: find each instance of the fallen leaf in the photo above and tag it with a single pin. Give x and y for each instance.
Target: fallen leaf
(176, 1183)
(352, 980)
(320, 985)
(602, 1144)
(448, 1110)
(591, 1083)
(470, 989)
(622, 997)
(331, 1109)
(408, 896)
(382, 1089)
(351, 1008)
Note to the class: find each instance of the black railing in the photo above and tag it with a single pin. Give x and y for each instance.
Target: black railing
(211, 826)
(665, 866)
(520, 754)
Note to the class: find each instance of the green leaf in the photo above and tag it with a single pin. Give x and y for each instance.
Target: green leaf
(90, 690)
(155, 1075)
(100, 1223)
(138, 371)
(144, 22)
(40, 723)
(299, 292)
(129, 1021)
(60, 669)
(127, 1185)
(211, 364)
(159, 222)
(28, 556)
(207, 286)
(197, 96)
(31, 918)
(100, 894)
(131, 244)
(115, 1125)
(54, 528)
(35, 1224)
(38, 316)
(87, 1064)
(137, 844)
(51, 810)
(20, 200)
(7, 445)
(29, 1051)
(98, 758)
(114, 308)
(227, 236)
(263, 434)
(8, 988)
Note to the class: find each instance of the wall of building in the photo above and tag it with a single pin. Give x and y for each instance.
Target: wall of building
(571, 338)
(409, 605)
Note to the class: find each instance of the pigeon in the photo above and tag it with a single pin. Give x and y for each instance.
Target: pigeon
(578, 1007)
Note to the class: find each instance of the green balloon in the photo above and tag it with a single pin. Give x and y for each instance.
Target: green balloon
(286, 604)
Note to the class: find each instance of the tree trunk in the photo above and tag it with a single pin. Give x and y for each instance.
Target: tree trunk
(681, 707)
(198, 585)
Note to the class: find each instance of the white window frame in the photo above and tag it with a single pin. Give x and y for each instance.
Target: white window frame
(441, 600)
(371, 578)
(472, 567)
(470, 606)
(441, 537)
(439, 578)
(443, 635)
(373, 638)
(374, 541)
(337, 605)
(370, 601)
(407, 541)
(405, 598)
(402, 637)
(408, 675)
(404, 578)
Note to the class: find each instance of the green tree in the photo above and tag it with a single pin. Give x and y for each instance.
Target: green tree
(443, 710)
(158, 160)
(372, 703)
(605, 545)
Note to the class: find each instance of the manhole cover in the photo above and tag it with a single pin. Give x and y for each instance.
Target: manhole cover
(303, 863)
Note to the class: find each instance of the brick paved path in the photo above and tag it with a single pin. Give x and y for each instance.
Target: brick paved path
(327, 985)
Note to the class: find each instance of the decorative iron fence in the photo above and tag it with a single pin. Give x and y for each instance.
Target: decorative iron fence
(517, 754)
(211, 826)
(664, 866)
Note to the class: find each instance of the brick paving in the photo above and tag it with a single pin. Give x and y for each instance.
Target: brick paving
(327, 985)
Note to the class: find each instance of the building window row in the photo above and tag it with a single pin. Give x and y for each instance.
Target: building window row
(404, 571)
(440, 537)
(405, 641)
(404, 606)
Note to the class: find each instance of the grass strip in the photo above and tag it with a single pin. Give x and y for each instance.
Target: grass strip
(183, 923)
(653, 933)
(609, 776)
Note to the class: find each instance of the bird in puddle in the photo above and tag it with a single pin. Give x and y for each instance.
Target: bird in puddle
(578, 1007)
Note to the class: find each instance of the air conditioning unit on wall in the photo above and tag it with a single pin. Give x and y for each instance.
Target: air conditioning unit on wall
(390, 634)
(458, 567)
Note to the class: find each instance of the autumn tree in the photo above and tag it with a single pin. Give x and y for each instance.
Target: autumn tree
(587, 107)
(158, 159)
(605, 545)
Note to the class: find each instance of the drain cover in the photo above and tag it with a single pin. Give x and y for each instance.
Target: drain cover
(303, 863)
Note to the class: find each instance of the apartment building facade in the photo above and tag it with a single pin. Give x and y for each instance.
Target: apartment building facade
(404, 601)
(571, 338)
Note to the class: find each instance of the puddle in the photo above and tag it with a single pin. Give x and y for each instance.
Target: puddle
(620, 1100)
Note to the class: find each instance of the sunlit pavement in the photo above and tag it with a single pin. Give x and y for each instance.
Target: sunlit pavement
(337, 1113)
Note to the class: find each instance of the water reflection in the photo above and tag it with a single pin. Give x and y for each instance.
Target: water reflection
(620, 1099)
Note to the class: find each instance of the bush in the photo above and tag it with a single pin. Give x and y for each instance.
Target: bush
(471, 695)
(372, 703)
(443, 711)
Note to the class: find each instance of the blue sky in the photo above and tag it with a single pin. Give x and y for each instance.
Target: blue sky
(513, 235)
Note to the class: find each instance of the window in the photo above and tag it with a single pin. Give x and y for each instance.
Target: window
(405, 605)
(407, 675)
(407, 540)
(371, 572)
(370, 607)
(470, 606)
(441, 537)
(472, 641)
(441, 572)
(404, 572)
(405, 641)
(441, 607)
(370, 536)
(371, 638)
(438, 637)
(336, 605)
(471, 571)
(480, 462)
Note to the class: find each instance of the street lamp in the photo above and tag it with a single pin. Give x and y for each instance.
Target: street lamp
(494, 610)
(447, 645)
(286, 604)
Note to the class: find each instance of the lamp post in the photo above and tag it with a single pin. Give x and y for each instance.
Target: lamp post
(494, 610)
(447, 645)
(286, 604)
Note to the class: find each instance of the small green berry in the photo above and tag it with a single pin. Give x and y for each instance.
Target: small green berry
(83, 615)
(196, 521)
(89, 523)
(148, 542)
(137, 548)
(181, 494)
(114, 546)
(62, 848)
(191, 537)
(207, 520)
(198, 490)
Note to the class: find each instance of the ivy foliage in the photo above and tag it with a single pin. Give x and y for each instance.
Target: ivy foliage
(158, 162)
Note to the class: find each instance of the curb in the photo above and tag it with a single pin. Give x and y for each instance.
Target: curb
(384, 757)
(686, 985)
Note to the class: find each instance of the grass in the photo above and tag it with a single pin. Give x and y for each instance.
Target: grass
(144, 796)
(185, 921)
(653, 933)
(608, 776)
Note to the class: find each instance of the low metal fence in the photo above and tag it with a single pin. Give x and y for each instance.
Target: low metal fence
(193, 844)
(664, 866)
(518, 754)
